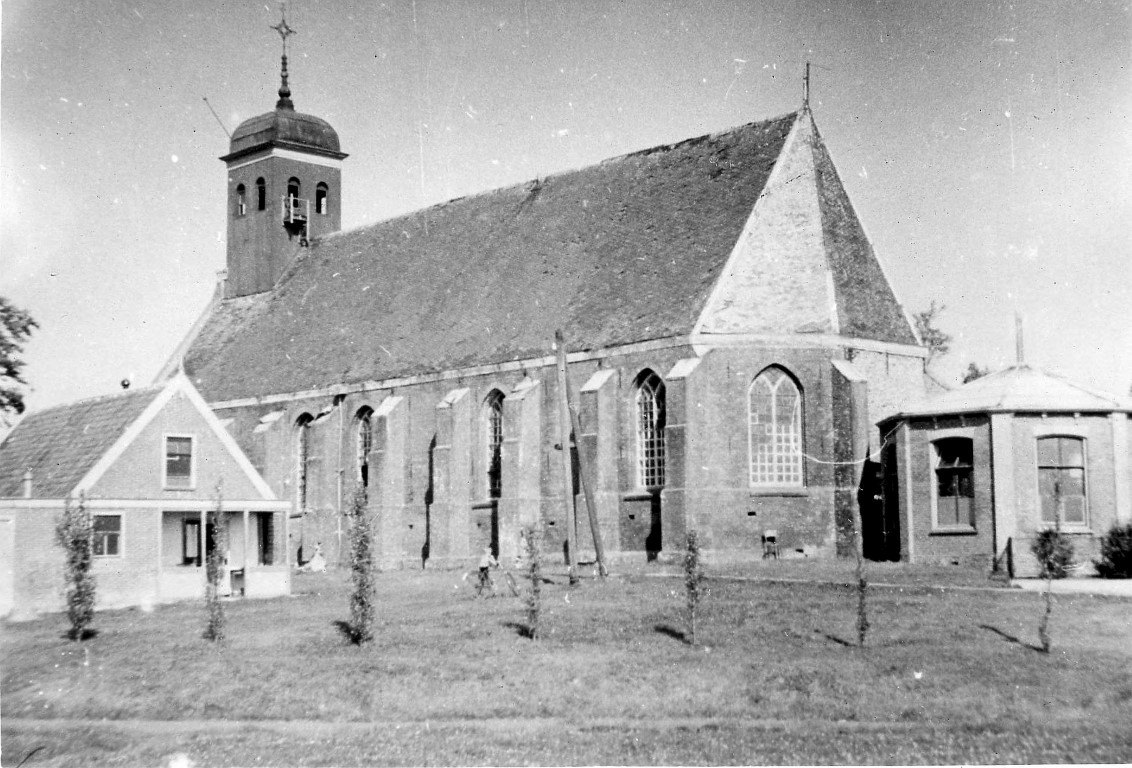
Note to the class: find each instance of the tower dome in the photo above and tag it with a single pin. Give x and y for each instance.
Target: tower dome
(285, 128)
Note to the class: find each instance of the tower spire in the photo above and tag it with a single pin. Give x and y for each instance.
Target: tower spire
(285, 31)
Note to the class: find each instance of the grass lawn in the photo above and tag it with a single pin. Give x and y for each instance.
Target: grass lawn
(948, 676)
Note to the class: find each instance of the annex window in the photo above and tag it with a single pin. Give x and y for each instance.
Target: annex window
(178, 462)
(650, 413)
(363, 443)
(260, 194)
(322, 198)
(493, 442)
(302, 459)
(241, 200)
(107, 535)
(954, 482)
(774, 430)
(1061, 480)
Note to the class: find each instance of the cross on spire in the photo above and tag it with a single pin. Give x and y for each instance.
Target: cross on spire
(285, 30)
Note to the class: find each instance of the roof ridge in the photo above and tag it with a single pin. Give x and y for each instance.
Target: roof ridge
(538, 181)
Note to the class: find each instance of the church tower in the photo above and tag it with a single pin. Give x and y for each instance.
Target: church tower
(284, 188)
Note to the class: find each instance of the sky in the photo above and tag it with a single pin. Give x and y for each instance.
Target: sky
(985, 145)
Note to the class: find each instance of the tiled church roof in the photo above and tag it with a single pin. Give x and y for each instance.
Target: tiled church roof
(60, 445)
(623, 251)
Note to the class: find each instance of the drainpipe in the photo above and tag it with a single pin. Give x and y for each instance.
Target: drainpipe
(341, 439)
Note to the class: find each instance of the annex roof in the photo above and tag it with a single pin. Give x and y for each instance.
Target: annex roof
(624, 251)
(1021, 388)
(61, 444)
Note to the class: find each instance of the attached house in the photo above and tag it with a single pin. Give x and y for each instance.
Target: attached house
(148, 463)
(973, 475)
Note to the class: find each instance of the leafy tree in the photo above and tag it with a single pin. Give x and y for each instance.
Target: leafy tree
(974, 372)
(927, 325)
(1116, 553)
(362, 598)
(75, 532)
(15, 327)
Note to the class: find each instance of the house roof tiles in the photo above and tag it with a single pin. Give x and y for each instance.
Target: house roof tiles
(60, 445)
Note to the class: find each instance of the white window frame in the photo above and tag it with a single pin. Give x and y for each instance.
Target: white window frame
(193, 461)
(651, 450)
(966, 433)
(121, 535)
(761, 475)
(1049, 525)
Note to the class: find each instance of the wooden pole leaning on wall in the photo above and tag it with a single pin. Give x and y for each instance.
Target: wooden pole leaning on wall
(567, 461)
(575, 426)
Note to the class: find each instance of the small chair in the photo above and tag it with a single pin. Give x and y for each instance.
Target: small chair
(770, 543)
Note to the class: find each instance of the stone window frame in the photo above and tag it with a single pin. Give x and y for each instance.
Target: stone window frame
(491, 428)
(650, 416)
(1062, 434)
(116, 536)
(302, 459)
(190, 481)
(765, 476)
(363, 444)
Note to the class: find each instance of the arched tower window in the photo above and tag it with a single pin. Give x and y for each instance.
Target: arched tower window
(493, 442)
(364, 432)
(651, 418)
(241, 200)
(293, 188)
(774, 429)
(302, 459)
(261, 194)
(322, 199)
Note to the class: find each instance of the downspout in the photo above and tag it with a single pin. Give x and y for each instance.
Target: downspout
(341, 470)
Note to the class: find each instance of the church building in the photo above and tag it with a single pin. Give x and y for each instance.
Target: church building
(732, 339)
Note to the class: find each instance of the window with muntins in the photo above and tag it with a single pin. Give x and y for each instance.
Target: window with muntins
(774, 430)
(954, 482)
(651, 415)
(493, 442)
(364, 444)
(302, 459)
(1061, 480)
(178, 462)
(107, 536)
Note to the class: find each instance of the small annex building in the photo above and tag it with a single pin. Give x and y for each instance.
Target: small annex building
(732, 340)
(973, 474)
(147, 463)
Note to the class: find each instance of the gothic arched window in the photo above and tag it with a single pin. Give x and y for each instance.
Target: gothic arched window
(363, 423)
(774, 429)
(493, 442)
(650, 419)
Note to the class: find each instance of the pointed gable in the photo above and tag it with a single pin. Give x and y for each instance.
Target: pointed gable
(60, 445)
(803, 263)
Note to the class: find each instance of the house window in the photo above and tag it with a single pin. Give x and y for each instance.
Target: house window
(260, 194)
(178, 462)
(322, 199)
(364, 428)
(650, 430)
(302, 459)
(241, 200)
(774, 429)
(107, 535)
(954, 482)
(1061, 480)
(493, 442)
